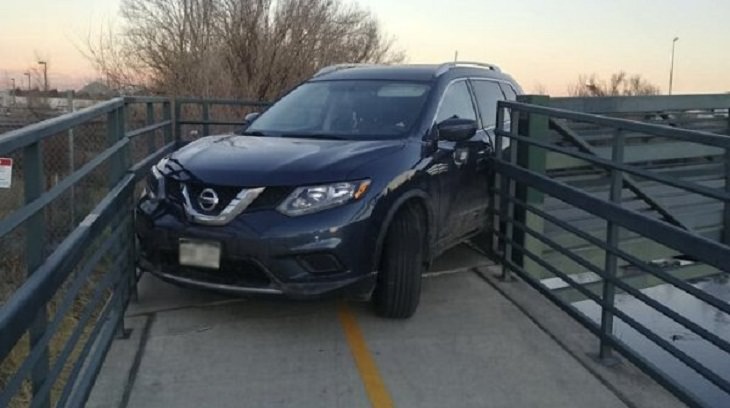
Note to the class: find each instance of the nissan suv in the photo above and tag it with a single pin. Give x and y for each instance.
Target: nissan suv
(350, 184)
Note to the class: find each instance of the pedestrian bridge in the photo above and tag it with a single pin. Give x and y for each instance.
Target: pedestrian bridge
(603, 282)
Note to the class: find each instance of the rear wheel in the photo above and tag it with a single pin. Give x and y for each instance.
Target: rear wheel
(402, 263)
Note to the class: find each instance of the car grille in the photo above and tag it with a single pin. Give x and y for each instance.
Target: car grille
(268, 199)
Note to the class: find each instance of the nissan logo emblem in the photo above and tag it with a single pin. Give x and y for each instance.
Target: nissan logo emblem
(208, 199)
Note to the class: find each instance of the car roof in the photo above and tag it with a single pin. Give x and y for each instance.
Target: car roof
(410, 72)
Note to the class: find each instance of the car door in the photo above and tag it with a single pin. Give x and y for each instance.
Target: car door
(458, 162)
(487, 94)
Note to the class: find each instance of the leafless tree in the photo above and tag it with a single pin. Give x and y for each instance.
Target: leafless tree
(236, 48)
(539, 89)
(620, 84)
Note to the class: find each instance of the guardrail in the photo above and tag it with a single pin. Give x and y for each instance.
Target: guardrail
(58, 324)
(68, 304)
(523, 185)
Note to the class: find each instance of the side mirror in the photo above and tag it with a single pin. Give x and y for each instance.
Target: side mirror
(456, 129)
(248, 119)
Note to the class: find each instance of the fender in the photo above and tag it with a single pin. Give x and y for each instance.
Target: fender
(397, 205)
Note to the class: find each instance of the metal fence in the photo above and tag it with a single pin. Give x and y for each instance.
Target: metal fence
(67, 244)
(524, 229)
(66, 235)
(71, 223)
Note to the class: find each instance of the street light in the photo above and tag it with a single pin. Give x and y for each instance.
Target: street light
(45, 75)
(13, 90)
(671, 67)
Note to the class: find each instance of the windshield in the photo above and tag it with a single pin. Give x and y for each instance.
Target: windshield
(345, 109)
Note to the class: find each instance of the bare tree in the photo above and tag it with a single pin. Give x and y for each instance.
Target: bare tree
(620, 84)
(539, 89)
(239, 48)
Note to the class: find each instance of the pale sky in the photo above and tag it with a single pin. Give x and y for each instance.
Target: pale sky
(548, 42)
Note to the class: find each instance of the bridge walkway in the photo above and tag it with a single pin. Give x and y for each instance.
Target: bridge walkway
(467, 346)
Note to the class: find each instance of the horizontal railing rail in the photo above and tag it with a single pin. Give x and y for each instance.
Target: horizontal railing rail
(521, 186)
(58, 324)
(642, 104)
(205, 118)
(694, 136)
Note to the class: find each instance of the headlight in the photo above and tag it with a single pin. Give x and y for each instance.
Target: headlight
(307, 200)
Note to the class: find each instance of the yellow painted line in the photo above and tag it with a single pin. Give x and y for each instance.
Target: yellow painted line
(374, 385)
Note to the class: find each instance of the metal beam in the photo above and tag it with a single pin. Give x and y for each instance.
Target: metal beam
(628, 181)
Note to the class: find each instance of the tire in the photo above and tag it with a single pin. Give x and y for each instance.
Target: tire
(398, 288)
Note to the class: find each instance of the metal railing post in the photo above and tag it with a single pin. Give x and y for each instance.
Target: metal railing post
(176, 118)
(35, 241)
(611, 262)
(206, 118)
(71, 158)
(150, 120)
(532, 158)
(111, 137)
(125, 159)
(115, 131)
(509, 189)
(494, 183)
(167, 116)
(726, 210)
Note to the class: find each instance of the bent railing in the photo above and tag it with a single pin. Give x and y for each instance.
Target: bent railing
(67, 244)
(573, 233)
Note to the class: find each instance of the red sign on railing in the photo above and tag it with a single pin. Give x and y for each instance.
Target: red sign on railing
(6, 172)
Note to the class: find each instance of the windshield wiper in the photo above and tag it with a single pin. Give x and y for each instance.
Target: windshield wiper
(254, 133)
(315, 136)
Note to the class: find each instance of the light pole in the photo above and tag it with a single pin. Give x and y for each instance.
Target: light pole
(45, 75)
(13, 90)
(28, 75)
(671, 67)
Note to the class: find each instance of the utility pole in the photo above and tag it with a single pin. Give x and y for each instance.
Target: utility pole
(45, 75)
(671, 66)
(27, 74)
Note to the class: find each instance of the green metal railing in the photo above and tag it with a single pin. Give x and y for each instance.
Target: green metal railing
(57, 326)
(58, 323)
(522, 187)
(67, 306)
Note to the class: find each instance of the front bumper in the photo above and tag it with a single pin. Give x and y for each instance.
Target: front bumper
(264, 252)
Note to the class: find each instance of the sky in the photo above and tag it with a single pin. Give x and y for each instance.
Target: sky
(543, 44)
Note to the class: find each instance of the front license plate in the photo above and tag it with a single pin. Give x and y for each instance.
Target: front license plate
(201, 254)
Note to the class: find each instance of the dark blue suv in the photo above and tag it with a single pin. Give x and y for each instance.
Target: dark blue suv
(349, 184)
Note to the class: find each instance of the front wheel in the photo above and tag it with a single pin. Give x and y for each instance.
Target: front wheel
(402, 263)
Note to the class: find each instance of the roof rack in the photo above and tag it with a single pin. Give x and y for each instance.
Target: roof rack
(443, 68)
(337, 67)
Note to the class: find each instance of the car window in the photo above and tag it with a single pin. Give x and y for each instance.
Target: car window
(487, 94)
(456, 103)
(353, 109)
(509, 92)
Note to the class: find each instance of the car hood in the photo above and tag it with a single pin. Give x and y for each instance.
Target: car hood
(251, 161)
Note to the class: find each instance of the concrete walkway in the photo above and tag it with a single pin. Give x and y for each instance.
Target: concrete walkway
(467, 346)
